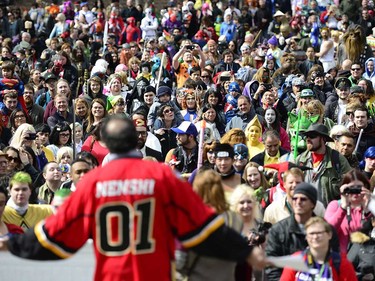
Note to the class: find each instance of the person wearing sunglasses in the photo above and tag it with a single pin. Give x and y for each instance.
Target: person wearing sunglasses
(162, 128)
(328, 166)
(14, 160)
(288, 235)
(356, 73)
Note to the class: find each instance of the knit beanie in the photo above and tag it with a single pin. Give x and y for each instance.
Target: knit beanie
(272, 41)
(308, 190)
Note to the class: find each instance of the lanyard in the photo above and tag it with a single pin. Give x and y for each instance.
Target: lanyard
(320, 272)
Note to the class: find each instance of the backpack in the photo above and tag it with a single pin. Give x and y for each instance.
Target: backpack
(336, 161)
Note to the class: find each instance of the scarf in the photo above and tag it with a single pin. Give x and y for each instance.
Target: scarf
(21, 210)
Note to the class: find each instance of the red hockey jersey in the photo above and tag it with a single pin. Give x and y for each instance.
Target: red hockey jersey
(132, 209)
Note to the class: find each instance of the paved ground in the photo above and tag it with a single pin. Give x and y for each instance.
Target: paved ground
(79, 267)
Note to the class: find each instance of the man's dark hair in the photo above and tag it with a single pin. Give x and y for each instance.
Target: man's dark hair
(140, 111)
(270, 134)
(79, 160)
(85, 155)
(361, 108)
(44, 128)
(226, 52)
(121, 139)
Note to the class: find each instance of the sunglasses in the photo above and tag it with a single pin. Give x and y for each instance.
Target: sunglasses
(168, 111)
(312, 136)
(205, 76)
(356, 69)
(10, 159)
(302, 199)
(120, 103)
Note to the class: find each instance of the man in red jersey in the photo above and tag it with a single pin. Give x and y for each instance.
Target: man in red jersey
(133, 210)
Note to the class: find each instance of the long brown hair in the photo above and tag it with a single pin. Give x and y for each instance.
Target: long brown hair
(91, 119)
(207, 184)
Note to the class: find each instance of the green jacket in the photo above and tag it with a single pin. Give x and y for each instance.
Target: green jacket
(327, 178)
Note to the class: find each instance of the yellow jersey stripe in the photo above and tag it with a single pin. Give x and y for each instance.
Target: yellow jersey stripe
(206, 231)
(43, 240)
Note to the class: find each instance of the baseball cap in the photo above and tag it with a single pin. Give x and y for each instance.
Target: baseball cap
(297, 81)
(49, 75)
(307, 93)
(164, 90)
(187, 128)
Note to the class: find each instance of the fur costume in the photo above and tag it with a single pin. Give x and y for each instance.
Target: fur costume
(288, 66)
(353, 46)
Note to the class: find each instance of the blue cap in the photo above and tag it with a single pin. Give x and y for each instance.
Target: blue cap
(187, 128)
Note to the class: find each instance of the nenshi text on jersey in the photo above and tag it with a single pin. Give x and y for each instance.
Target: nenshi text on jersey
(125, 187)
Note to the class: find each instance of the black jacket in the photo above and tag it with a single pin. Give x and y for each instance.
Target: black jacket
(154, 153)
(286, 238)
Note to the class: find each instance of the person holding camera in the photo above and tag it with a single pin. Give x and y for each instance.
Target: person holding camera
(188, 60)
(348, 214)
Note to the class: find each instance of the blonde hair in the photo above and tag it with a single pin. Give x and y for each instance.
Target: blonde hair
(239, 192)
(315, 106)
(16, 140)
(318, 220)
(62, 151)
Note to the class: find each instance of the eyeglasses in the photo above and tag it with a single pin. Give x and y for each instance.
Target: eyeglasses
(317, 233)
(142, 134)
(168, 111)
(65, 135)
(356, 69)
(19, 116)
(302, 199)
(14, 159)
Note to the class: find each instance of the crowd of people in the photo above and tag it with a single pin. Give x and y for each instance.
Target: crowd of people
(266, 108)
